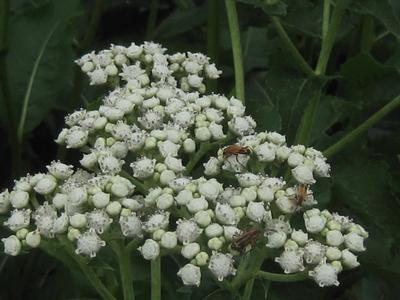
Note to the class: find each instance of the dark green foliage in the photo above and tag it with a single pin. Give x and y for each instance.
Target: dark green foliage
(365, 181)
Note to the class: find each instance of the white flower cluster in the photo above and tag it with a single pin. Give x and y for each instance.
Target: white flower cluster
(140, 149)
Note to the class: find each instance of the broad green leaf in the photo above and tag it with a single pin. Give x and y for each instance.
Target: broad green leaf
(384, 11)
(31, 42)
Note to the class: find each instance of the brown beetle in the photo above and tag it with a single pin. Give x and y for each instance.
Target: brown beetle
(236, 149)
(243, 240)
(301, 194)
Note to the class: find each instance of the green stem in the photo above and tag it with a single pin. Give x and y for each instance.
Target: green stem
(233, 22)
(82, 46)
(329, 40)
(307, 120)
(88, 271)
(213, 37)
(325, 19)
(152, 20)
(156, 278)
(139, 185)
(367, 33)
(204, 149)
(248, 289)
(360, 130)
(248, 266)
(290, 47)
(126, 274)
(281, 277)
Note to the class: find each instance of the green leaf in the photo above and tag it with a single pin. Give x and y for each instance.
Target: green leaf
(28, 32)
(270, 7)
(383, 10)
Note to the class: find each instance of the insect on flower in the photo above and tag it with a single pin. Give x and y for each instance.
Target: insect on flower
(235, 150)
(243, 240)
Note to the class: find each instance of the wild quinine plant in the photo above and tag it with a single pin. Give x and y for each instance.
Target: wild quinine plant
(170, 170)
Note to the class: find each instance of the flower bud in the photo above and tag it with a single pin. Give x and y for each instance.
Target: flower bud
(150, 250)
(215, 243)
(190, 250)
(334, 238)
(303, 174)
(12, 245)
(349, 260)
(333, 253)
(113, 208)
(19, 199)
(78, 220)
(33, 239)
(190, 275)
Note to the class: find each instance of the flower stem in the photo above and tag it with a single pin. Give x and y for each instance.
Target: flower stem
(204, 148)
(126, 273)
(139, 185)
(213, 37)
(301, 62)
(89, 273)
(281, 277)
(156, 279)
(248, 289)
(325, 18)
(233, 22)
(329, 40)
(356, 133)
(367, 33)
(248, 266)
(152, 20)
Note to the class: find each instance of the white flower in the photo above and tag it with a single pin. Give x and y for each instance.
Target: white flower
(221, 265)
(276, 138)
(324, 275)
(212, 167)
(265, 193)
(159, 220)
(303, 174)
(98, 220)
(226, 214)
(314, 224)
(33, 239)
(131, 226)
(250, 194)
(322, 168)
(19, 199)
(282, 153)
(197, 204)
(242, 125)
(237, 201)
(168, 148)
(187, 231)
(286, 205)
(190, 275)
(216, 131)
(143, 167)
(89, 161)
(349, 260)
(4, 201)
(78, 220)
(265, 152)
(299, 237)
(295, 159)
(190, 250)
(174, 164)
(333, 253)
(273, 183)
(89, 243)
(214, 230)
(291, 261)
(189, 145)
(78, 196)
(248, 179)
(210, 189)
(100, 199)
(46, 185)
(59, 170)
(109, 164)
(152, 119)
(314, 252)
(255, 211)
(169, 240)
(12, 245)
(76, 138)
(150, 249)
(354, 242)
(20, 218)
(164, 201)
(276, 239)
(334, 238)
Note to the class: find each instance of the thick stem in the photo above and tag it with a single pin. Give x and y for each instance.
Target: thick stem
(325, 18)
(233, 22)
(126, 274)
(281, 277)
(360, 130)
(248, 289)
(248, 266)
(329, 40)
(88, 271)
(204, 149)
(213, 37)
(307, 120)
(156, 278)
(291, 48)
(152, 20)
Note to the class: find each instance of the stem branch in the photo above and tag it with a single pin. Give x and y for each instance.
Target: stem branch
(126, 273)
(213, 37)
(233, 22)
(156, 279)
(152, 20)
(291, 48)
(356, 133)
(281, 277)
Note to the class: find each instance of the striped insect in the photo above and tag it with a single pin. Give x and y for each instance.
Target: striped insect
(245, 239)
(236, 149)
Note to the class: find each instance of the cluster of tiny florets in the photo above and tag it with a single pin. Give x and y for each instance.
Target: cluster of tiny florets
(136, 177)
